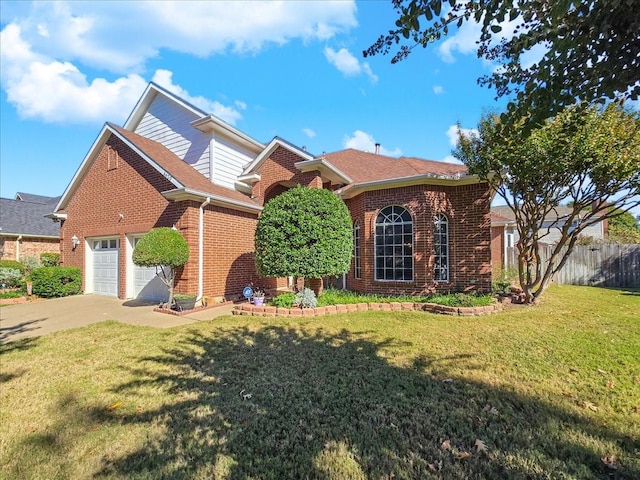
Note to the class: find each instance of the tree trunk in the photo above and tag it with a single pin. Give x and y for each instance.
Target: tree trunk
(316, 285)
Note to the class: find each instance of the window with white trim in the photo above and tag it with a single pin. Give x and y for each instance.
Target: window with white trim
(394, 244)
(357, 267)
(441, 248)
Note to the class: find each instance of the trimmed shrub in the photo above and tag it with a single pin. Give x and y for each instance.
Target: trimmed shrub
(304, 232)
(50, 282)
(12, 264)
(50, 259)
(10, 277)
(162, 247)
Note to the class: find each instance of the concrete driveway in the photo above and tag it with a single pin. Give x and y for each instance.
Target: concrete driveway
(42, 317)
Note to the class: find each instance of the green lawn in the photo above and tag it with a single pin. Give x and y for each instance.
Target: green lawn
(532, 392)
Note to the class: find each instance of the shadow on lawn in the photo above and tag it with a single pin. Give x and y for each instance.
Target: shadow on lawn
(280, 403)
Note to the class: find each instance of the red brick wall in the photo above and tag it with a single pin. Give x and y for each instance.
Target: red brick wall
(466, 207)
(497, 249)
(29, 247)
(278, 171)
(228, 252)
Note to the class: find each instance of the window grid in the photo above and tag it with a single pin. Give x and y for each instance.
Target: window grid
(441, 248)
(394, 244)
(357, 267)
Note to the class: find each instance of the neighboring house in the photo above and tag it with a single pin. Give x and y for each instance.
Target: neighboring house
(504, 234)
(24, 230)
(419, 226)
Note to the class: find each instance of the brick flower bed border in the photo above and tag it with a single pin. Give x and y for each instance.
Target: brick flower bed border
(169, 311)
(268, 311)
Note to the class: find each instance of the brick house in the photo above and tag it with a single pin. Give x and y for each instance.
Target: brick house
(418, 225)
(24, 230)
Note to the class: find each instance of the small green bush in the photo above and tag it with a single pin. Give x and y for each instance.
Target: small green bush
(29, 263)
(50, 259)
(12, 264)
(10, 277)
(284, 300)
(50, 282)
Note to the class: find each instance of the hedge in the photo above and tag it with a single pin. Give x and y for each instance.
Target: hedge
(12, 264)
(49, 282)
(50, 259)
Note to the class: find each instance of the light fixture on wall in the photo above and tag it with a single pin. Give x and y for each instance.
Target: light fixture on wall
(74, 242)
(120, 217)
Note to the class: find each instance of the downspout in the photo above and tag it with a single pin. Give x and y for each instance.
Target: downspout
(200, 250)
(18, 248)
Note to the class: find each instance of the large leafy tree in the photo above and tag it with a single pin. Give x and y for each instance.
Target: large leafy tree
(304, 232)
(591, 48)
(165, 249)
(582, 158)
(624, 229)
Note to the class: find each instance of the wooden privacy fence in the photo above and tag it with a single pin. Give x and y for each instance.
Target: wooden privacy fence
(607, 265)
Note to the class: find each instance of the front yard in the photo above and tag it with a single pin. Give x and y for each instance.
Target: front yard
(545, 392)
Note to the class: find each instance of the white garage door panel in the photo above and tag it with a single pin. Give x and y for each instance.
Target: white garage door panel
(148, 286)
(105, 267)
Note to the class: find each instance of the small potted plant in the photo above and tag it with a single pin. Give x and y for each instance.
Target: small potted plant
(258, 297)
(184, 302)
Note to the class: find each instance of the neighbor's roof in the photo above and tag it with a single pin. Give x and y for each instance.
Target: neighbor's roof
(22, 217)
(364, 167)
(30, 197)
(560, 212)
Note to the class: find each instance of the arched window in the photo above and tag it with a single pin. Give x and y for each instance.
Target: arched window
(394, 244)
(441, 248)
(357, 268)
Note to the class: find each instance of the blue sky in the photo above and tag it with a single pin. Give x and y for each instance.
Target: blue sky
(282, 68)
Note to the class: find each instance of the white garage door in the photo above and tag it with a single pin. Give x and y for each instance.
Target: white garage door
(146, 284)
(105, 266)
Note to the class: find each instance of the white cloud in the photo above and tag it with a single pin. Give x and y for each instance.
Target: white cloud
(46, 48)
(438, 90)
(451, 159)
(452, 133)
(465, 39)
(348, 64)
(228, 114)
(364, 141)
(308, 132)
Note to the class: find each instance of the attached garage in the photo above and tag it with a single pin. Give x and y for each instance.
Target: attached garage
(103, 263)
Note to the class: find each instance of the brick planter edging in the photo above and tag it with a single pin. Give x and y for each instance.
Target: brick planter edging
(269, 311)
(178, 313)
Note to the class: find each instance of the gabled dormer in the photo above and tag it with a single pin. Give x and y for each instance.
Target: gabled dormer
(214, 148)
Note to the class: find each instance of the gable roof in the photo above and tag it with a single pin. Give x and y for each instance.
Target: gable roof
(22, 217)
(371, 171)
(365, 167)
(560, 212)
(189, 183)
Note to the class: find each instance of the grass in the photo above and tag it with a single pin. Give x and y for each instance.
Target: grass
(549, 391)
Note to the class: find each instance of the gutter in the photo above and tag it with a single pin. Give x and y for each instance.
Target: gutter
(200, 250)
